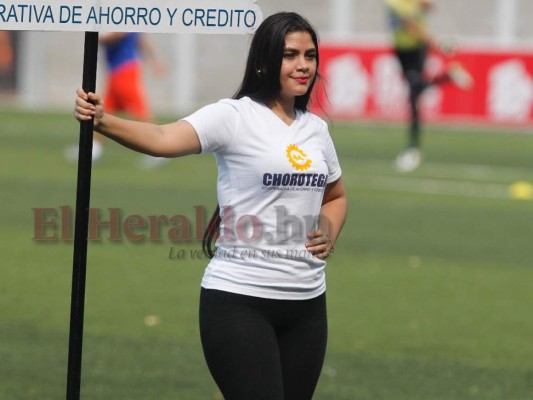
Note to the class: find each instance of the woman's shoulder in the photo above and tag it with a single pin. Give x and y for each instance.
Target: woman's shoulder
(243, 106)
(243, 102)
(315, 119)
(224, 107)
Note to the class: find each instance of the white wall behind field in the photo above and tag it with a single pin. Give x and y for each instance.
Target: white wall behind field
(204, 68)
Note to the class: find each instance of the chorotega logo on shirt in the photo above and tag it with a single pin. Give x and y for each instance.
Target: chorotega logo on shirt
(298, 158)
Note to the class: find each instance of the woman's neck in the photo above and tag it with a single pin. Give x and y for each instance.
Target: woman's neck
(284, 110)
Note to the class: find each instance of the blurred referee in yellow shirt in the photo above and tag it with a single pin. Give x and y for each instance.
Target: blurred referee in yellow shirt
(411, 41)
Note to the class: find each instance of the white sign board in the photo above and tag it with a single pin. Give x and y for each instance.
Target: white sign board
(158, 16)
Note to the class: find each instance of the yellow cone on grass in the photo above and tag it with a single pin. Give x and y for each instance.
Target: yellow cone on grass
(521, 191)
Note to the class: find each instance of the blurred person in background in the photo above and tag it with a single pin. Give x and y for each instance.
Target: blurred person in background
(412, 40)
(6, 56)
(124, 53)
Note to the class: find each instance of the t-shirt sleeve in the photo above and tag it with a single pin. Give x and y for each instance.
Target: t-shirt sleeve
(332, 161)
(215, 125)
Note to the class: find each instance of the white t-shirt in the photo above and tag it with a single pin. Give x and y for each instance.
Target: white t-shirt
(271, 181)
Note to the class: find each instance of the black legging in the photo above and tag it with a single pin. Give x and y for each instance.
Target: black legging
(263, 349)
(412, 63)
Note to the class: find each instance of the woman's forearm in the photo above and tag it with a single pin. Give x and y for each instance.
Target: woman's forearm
(144, 137)
(332, 217)
(334, 210)
(171, 140)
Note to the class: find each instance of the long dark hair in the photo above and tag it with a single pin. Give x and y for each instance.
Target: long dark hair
(261, 79)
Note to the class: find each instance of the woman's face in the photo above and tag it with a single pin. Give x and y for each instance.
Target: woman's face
(298, 67)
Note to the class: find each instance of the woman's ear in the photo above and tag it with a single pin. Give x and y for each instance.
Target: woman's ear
(261, 72)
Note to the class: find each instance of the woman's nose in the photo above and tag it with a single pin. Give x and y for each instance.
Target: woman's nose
(303, 64)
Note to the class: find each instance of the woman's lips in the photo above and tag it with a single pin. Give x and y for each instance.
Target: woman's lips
(302, 80)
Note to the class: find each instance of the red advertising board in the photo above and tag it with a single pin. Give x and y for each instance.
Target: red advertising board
(365, 82)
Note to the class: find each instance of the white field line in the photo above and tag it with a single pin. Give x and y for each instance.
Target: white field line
(474, 181)
(462, 171)
(478, 172)
(440, 187)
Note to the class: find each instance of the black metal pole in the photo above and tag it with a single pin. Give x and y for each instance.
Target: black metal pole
(81, 226)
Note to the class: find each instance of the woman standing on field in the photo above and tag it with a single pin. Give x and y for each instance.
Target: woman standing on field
(263, 316)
